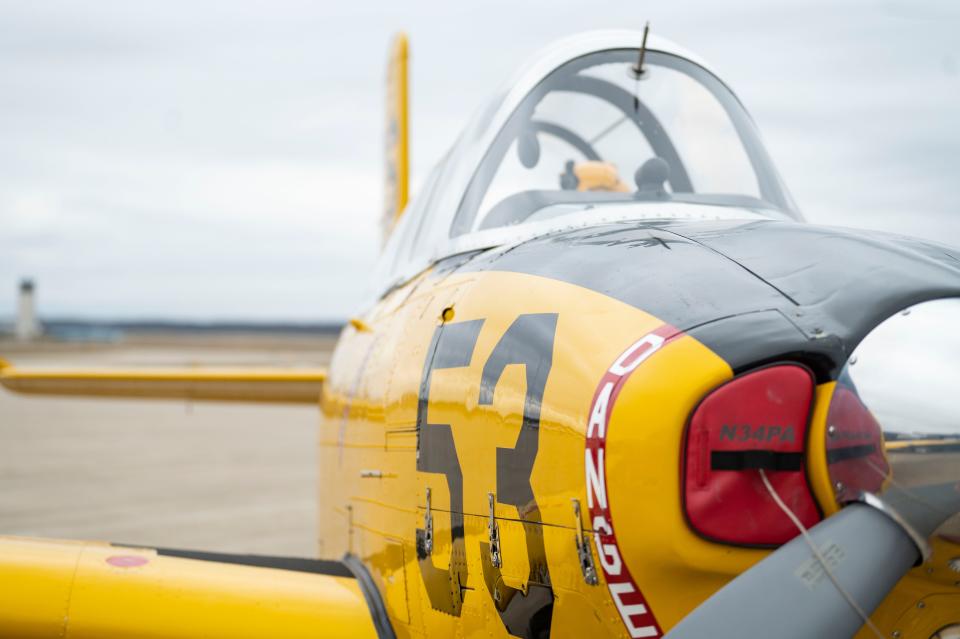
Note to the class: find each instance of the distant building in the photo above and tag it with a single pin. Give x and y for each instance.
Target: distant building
(27, 327)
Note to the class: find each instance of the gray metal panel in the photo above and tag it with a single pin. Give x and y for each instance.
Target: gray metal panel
(788, 595)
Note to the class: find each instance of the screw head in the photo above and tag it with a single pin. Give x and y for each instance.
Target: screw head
(831, 431)
(838, 487)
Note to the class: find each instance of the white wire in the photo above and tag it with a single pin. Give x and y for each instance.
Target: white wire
(816, 552)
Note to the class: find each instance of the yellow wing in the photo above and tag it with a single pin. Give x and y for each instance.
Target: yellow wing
(85, 589)
(290, 385)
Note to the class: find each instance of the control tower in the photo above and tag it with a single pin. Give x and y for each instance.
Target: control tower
(27, 327)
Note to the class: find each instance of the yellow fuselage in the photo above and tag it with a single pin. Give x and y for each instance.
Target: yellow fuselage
(373, 489)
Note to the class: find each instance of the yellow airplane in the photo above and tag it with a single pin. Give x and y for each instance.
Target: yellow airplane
(608, 382)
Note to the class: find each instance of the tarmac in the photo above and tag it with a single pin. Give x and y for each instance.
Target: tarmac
(214, 476)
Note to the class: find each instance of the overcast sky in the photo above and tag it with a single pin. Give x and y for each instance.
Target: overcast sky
(222, 160)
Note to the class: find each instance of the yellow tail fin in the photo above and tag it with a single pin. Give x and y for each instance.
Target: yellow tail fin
(397, 149)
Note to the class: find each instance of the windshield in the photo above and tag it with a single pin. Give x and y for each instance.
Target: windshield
(596, 131)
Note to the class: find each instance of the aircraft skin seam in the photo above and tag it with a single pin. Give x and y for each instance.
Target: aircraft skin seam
(73, 580)
(727, 257)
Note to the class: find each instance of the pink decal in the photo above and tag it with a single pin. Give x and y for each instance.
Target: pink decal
(127, 561)
(626, 595)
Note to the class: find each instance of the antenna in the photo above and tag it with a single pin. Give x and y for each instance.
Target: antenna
(639, 70)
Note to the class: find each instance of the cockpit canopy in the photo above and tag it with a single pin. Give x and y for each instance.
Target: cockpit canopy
(581, 137)
(597, 130)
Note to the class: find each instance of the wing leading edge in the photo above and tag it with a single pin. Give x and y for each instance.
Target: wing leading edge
(278, 385)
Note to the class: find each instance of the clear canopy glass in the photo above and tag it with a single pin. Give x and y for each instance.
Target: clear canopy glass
(595, 130)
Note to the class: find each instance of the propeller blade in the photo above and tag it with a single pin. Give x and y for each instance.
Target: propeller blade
(789, 595)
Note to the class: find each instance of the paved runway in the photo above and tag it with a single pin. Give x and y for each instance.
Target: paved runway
(211, 476)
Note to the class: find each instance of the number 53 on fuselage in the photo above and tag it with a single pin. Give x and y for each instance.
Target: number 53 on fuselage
(608, 382)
